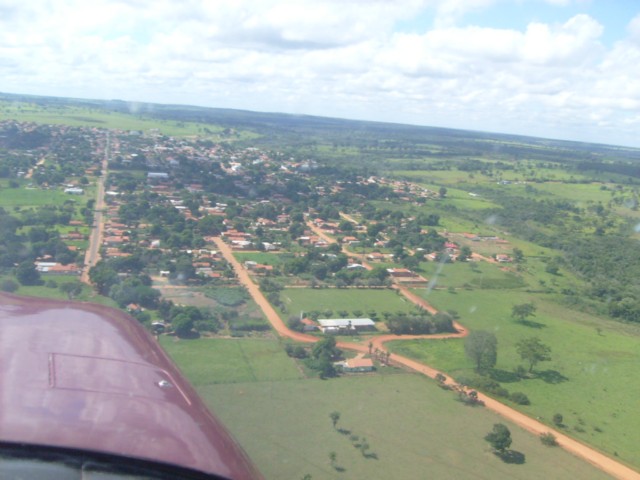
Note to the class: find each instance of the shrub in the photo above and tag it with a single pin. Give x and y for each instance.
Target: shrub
(557, 419)
(549, 439)
(520, 398)
(9, 285)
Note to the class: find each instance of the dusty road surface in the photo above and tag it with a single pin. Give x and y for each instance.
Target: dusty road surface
(95, 239)
(581, 450)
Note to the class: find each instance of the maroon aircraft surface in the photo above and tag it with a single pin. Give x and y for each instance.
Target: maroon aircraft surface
(87, 393)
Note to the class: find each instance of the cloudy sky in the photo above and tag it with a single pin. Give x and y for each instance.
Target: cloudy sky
(565, 69)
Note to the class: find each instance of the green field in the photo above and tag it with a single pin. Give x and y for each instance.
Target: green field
(89, 117)
(589, 379)
(474, 274)
(414, 429)
(274, 259)
(210, 361)
(380, 300)
(30, 197)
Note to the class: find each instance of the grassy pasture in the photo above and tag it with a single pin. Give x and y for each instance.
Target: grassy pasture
(590, 379)
(284, 423)
(32, 197)
(274, 259)
(88, 117)
(208, 361)
(350, 299)
(476, 274)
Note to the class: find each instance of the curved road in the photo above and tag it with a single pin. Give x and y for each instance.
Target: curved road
(579, 449)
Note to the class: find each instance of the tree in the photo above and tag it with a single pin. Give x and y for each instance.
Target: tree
(442, 192)
(9, 285)
(532, 350)
(518, 255)
(27, 274)
(549, 439)
(482, 349)
(335, 416)
(465, 254)
(182, 324)
(72, 289)
(499, 437)
(523, 311)
(325, 348)
(557, 419)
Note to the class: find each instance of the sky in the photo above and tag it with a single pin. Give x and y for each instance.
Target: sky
(564, 69)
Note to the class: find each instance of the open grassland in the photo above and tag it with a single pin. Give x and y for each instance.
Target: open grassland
(89, 117)
(590, 379)
(208, 361)
(414, 429)
(582, 194)
(471, 274)
(350, 299)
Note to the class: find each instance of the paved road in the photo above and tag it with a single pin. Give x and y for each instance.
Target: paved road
(585, 452)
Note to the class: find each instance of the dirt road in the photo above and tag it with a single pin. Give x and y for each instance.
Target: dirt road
(592, 456)
(95, 239)
(32, 169)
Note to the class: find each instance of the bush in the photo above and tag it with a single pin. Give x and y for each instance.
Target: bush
(485, 384)
(519, 398)
(557, 419)
(549, 439)
(9, 286)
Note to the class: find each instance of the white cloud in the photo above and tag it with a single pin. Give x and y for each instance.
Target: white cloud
(340, 58)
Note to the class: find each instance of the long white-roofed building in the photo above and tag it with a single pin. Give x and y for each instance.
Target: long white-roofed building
(344, 325)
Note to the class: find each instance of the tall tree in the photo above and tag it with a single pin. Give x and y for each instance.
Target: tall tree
(532, 350)
(335, 416)
(27, 274)
(499, 437)
(523, 311)
(482, 349)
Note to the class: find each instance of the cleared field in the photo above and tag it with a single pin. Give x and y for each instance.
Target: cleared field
(414, 429)
(380, 300)
(274, 259)
(473, 274)
(207, 361)
(30, 197)
(590, 379)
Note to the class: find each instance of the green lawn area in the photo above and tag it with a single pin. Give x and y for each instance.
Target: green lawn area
(207, 361)
(475, 274)
(350, 299)
(589, 379)
(274, 259)
(29, 197)
(411, 425)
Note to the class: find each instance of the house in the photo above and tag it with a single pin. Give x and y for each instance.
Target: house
(53, 268)
(404, 276)
(358, 365)
(502, 258)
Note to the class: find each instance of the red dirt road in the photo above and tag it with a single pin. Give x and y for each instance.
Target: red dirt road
(581, 450)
